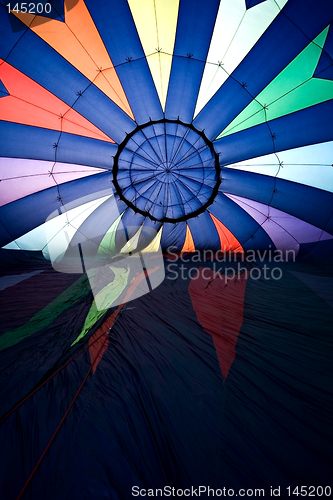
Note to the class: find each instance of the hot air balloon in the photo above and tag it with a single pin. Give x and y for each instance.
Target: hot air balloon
(166, 247)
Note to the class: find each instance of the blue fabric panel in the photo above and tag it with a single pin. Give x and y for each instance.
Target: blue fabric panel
(325, 60)
(148, 223)
(185, 79)
(326, 73)
(224, 106)
(249, 143)
(22, 215)
(183, 88)
(321, 251)
(6, 233)
(324, 68)
(3, 90)
(308, 126)
(290, 32)
(312, 205)
(11, 31)
(108, 117)
(328, 47)
(173, 235)
(40, 62)
(252, 3)
(140, 91)
(204, 232)
(247, 231)
(124, 47)
(23, 141)
(259, 188)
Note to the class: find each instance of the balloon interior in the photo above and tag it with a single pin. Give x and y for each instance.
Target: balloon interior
(166, 242)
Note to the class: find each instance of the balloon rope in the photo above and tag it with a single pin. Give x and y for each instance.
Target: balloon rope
(4, 417)
(59, 426)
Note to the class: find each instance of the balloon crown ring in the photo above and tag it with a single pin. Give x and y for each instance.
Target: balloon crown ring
(167, 170)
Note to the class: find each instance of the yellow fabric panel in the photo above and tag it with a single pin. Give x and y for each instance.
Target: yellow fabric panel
(155, 244)
(156, 23)
(132, 243)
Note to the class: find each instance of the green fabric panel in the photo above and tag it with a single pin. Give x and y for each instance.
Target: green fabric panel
(312, 92)
(108, 243)
(47, 315)
(105, 298)
(292, 90)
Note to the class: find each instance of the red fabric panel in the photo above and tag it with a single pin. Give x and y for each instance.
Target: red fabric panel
(31, 104)
(219, 306)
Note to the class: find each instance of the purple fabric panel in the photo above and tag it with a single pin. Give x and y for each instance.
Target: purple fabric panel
(286, 231)
(21, 177)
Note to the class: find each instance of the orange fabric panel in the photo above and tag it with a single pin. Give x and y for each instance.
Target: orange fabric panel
(79, 42)
(228, 241)
(30, 104)
(189, 243)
